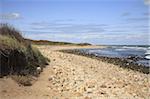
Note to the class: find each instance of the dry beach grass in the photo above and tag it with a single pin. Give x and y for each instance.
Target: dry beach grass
(71, 76)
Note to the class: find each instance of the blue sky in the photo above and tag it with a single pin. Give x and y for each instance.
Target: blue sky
(92, 21)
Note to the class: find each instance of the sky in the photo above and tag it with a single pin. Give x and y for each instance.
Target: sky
(93, 21)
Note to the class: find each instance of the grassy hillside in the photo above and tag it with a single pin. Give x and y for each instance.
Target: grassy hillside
(46, 42)
(18, 56)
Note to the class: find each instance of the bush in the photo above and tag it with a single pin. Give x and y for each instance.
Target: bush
(10, 43)
(18, 56)
(8, 30)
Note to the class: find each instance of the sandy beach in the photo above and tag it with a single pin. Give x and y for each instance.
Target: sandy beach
(71, 76)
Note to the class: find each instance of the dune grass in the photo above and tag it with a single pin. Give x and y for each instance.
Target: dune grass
(18, 56)
(11, 43)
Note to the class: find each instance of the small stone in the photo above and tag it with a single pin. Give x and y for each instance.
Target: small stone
(103, 86)
(87, 97)
(4, 91)
(89, 92)
(62, 90)
(103, 92)
(127, 64)
(46, 95)
(50, 78)
(85, 89)
(78, 94)
(91, 86)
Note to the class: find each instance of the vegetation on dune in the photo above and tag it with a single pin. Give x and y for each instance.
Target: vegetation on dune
(46, 42)
(10, 43)
(18, 56)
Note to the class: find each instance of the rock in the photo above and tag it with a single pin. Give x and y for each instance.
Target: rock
(91, 84)
(127, 63)
(78, 94)
(66, 89)
(103, 86)
(49, 79)
(54, 83)
(103, 92)
(85, 89)
(87, 97)
(62, 90)
(82, 89)
(4, 91)
(130, 61)
(89, 92)
(46, 95)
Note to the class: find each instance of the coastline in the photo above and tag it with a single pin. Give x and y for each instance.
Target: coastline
(74, 76)
(121, 62)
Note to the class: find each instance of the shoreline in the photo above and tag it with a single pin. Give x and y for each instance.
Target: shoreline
(121, 62)
(78, 77)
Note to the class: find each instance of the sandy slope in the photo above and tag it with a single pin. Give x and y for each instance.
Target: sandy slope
(70, 76)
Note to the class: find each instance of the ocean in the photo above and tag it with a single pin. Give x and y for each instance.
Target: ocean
(140, 54)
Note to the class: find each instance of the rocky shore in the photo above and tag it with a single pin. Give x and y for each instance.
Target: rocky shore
(128, 63)
(70, 76)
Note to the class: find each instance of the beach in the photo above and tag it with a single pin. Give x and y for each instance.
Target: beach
(70, 76)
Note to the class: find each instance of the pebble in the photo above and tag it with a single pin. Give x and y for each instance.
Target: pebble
(87, 97)
(89, 92)
(127, 64)
(78, 94)
(50, 78)
(103, 92)
(103, 86)
(81, 82)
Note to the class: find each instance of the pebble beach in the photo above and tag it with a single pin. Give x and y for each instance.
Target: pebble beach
(70, 76)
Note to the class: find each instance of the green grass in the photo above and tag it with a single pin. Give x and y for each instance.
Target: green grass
(46, 42)
(11, 43)
(18, 56)
(40, 58)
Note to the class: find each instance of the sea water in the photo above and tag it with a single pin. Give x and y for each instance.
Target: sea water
(140, 52)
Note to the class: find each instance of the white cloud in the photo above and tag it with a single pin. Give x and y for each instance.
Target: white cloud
(147, 2)
(91, 33)
(67, 27)
(138, 19)
(85, 36)
(10, 16)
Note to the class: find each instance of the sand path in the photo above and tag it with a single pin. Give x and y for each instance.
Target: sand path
(70, 76)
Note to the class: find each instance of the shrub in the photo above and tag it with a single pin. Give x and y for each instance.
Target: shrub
(18, 56)
(10, 31)
(10, 43)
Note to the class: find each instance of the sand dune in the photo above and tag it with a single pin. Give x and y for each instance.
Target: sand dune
(71, 76)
